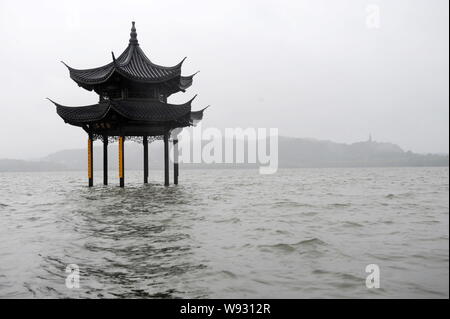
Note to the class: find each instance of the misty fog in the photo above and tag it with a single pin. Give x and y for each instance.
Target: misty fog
(310, 68)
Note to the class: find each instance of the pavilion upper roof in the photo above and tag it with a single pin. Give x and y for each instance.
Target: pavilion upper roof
(134, 65)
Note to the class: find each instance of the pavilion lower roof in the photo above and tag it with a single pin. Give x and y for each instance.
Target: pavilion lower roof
(150, 111)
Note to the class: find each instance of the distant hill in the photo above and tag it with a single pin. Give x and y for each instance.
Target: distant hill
(298, 152)
(12, 165)
(293, 152)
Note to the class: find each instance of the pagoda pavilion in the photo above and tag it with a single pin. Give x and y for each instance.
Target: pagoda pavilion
(132, 105)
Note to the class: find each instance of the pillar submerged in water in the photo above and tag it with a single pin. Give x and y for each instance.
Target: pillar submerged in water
(90, 162)
(121, 162)
(175, 161)
(145, 142)
(166, 159)
(105, 160)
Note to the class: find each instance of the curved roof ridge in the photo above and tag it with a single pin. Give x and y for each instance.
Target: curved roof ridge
(192, 99)
(147, 59)
(128, 54)
(191, 75)
(78, 106)
(89, 69)
(82, 114)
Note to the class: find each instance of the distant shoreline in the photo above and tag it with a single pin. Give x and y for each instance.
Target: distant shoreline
(210, 166)
(112, 170)
(292, 153)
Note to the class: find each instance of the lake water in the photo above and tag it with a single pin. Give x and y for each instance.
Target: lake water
(300, 233)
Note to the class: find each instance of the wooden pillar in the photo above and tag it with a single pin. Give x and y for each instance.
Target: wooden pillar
(145, 142)
(121, 161)
(105, 160)
(175, 162)
(90, 162)
(166, 159)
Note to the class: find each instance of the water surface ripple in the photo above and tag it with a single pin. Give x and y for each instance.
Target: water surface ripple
(301, 233)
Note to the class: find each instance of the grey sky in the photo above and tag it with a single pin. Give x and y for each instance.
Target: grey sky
(310, 68)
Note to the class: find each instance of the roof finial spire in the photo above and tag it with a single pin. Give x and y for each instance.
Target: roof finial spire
(133, 34)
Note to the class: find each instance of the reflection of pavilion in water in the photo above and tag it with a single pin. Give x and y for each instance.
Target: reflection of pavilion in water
(133, 94)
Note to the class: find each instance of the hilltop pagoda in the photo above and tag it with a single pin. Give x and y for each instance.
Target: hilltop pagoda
(132, 104)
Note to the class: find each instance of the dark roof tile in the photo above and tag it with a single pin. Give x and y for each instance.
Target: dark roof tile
(135, 110)
(132, 64)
